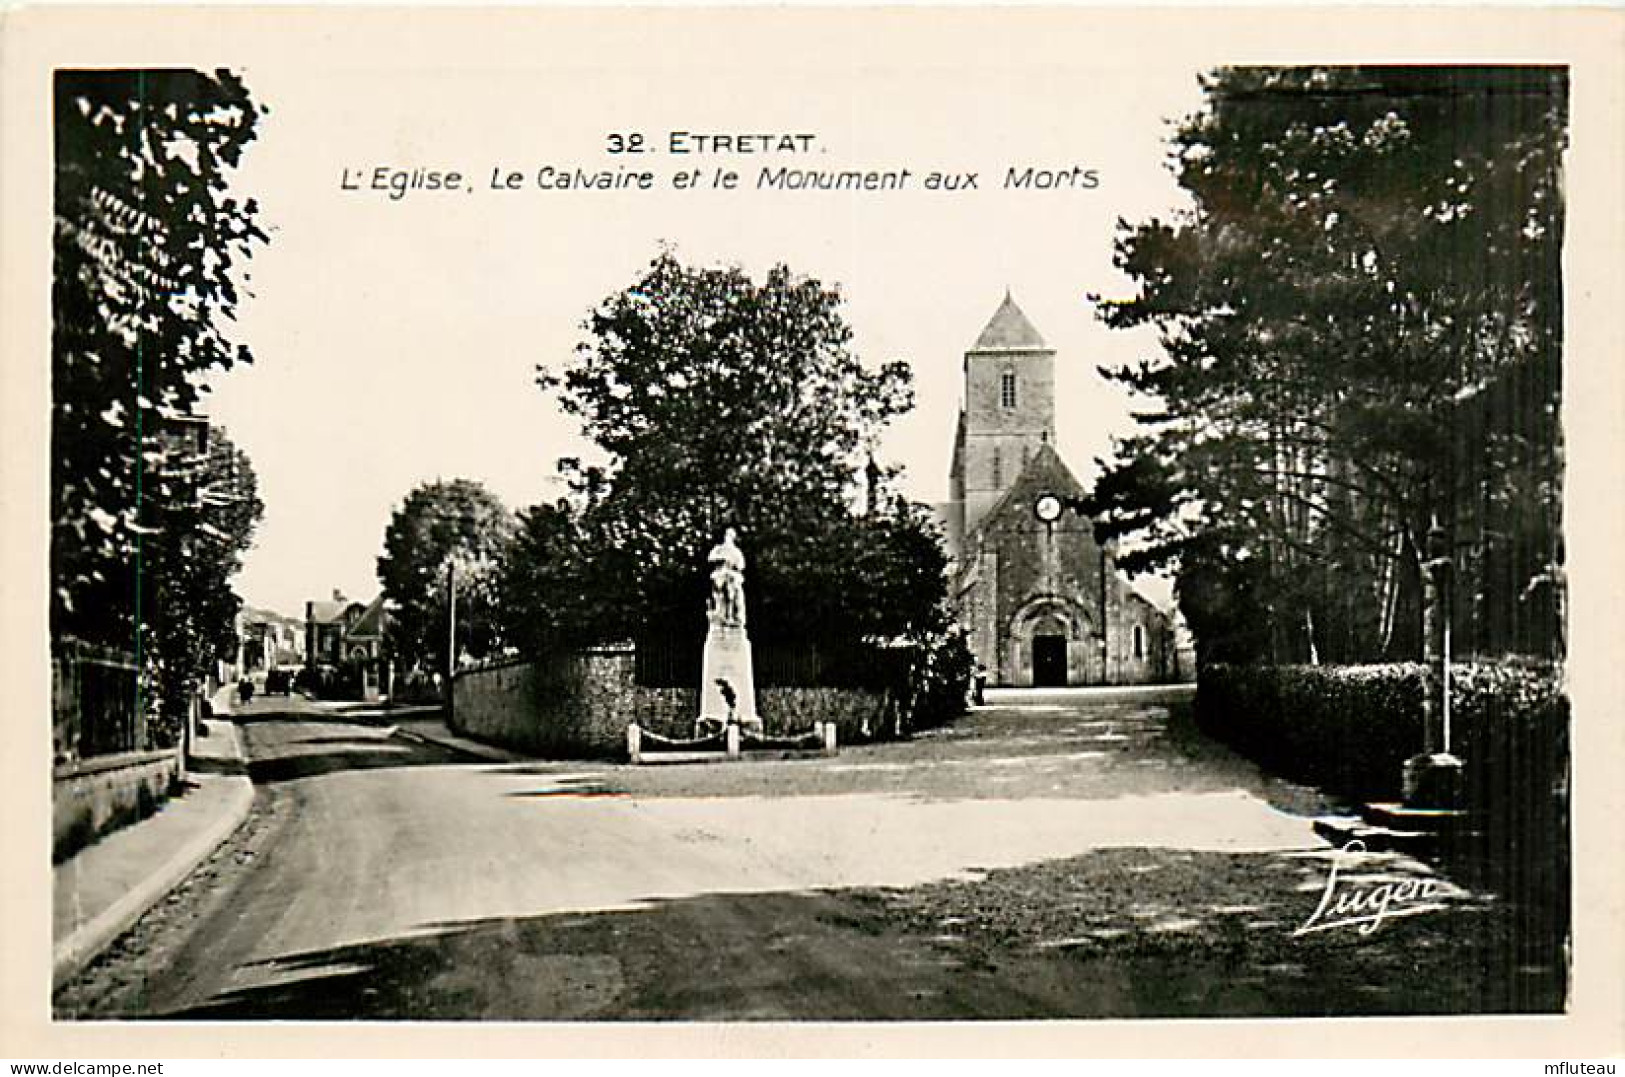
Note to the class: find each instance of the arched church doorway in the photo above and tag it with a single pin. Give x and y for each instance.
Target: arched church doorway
(1049, 661)
(1050, 634)
(1047, 645)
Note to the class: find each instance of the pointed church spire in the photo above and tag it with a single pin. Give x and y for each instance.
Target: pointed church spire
(1008, 328)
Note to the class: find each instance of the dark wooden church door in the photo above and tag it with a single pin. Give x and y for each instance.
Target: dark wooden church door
(1049, 661)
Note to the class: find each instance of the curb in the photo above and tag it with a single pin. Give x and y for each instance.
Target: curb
(70, 956)
(484, 755)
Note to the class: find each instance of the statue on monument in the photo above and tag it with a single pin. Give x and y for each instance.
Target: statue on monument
(727, 681)
(727, 604)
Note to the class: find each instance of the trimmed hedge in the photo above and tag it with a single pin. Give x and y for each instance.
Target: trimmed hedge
(1349, 729)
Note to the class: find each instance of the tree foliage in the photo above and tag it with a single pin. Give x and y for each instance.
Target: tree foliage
(147, 241)
(543, 583)
(1360, 322)
(447, 533)
(196, 546)
(151, 510)
(720, 401)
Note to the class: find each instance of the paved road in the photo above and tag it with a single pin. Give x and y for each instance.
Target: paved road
(1068, 854)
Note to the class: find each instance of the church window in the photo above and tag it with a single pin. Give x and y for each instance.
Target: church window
(1007, 389)
(998, 469)
(1139, 641)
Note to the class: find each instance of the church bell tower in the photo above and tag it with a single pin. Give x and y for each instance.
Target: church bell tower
(1008, 411)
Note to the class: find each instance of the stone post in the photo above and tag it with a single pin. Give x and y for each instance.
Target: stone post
(634, 743)
(733, 740)
(1432, 779)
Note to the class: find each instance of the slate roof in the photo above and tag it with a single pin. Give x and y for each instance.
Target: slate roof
(1008, 328)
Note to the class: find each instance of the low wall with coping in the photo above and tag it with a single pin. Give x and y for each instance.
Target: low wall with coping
(93, 796)
(580, 705)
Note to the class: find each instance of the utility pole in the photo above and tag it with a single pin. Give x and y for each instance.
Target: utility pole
(451, 635)
(469, 519)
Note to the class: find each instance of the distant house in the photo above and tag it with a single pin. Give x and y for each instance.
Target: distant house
(364, 631)
(269, 639)
(349, 636)
(324, 630)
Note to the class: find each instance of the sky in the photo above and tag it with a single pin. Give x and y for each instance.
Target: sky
(396, 341)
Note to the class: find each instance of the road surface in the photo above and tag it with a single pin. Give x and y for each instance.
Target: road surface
(1063, 854)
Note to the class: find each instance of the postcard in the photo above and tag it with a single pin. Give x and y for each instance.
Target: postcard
(812, 531)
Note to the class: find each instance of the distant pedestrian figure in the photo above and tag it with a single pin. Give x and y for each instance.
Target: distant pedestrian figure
(245, 690)
(978, 684)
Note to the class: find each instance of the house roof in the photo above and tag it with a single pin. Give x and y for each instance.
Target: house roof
(371, 622)
(326, 612)
(1008, 329)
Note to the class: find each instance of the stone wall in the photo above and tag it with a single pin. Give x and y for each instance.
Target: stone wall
(566, 705)
(579, 705)
(91, 797)
(494, 703)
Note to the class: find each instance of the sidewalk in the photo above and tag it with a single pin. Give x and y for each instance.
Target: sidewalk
(105, 887)
(424, 723)
(432, 730)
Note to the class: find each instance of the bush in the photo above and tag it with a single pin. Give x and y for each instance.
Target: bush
(1510, 725)
(1347, 729)
(329, 682)
(945, 671)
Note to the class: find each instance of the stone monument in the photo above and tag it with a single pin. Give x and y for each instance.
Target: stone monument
(727, 682)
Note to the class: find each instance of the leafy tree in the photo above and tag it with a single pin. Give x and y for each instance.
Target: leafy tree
(197, 545)
(721, 402)
(147, 241)
(543, 586)
(448, 532)
(1360, 319)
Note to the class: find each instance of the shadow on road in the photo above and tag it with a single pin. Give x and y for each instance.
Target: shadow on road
(276, 709)
(283, 745)
(365, 755)
(1117, 933)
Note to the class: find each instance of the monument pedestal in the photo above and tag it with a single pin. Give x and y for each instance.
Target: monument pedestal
(727, 658)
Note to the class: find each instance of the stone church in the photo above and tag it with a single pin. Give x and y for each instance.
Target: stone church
(1042, 601)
